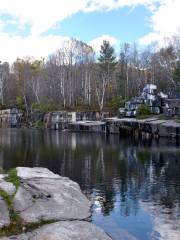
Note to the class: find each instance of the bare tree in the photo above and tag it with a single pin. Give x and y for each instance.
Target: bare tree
(4, 74)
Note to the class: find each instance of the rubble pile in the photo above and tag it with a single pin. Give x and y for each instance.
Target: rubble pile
(158, 102)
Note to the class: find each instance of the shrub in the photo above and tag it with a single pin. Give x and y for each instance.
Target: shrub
(46, 107)
(143, 110)
(13, 177)
(115, 103)
(20, 102)
(39, 124)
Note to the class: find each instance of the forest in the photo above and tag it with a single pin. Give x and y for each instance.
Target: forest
(76, 77)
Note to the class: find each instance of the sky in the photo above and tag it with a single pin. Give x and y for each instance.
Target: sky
(38, 27)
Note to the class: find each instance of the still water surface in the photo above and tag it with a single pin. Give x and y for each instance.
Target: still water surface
(135, 184)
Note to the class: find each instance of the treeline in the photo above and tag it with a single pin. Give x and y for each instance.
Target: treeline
(74, 77)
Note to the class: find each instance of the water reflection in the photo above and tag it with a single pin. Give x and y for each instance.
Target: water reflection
(135, 184)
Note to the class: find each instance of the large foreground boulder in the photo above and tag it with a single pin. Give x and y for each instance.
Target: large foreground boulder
(65, 230)
(47, 196)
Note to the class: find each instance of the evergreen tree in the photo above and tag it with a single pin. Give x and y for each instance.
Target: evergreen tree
(107, 59)
(176, 75)
(107, 64)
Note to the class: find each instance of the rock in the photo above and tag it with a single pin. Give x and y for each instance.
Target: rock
(7, 187)
(54, 198)
(43, 195)
(36, 172)
(2, 176)
(169, 129)
(4, 214)
(67, 230)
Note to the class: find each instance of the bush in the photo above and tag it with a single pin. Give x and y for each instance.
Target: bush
(143, 110)
(46, 107)
(115, 103)
(39, 124)
(13, 177)
(20, 102)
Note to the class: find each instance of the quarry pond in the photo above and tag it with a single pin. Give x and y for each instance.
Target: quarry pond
(135, 184)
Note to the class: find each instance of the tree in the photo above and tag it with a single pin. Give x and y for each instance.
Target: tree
(21, 69)
(69, 72)
(4, 74)
(176, 75)
(124, 65)
(36, 70)
(107, 65)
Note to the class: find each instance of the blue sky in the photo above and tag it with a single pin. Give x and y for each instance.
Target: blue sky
(125, 24)
(39, 27)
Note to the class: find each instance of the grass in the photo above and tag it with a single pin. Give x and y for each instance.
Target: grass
(39, 124)
(145, 116)
(174, 118)
(159, 116)
(16, 221)
(13, 177)
(7, 198)
(17, 226)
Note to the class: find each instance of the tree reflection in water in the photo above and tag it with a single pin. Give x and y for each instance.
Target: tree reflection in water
(123, 176)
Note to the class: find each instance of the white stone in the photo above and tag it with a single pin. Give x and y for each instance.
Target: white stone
(7, 187)
(36, 172)
(51, 199)
(2, 176)
(4, 214)
(67, 230)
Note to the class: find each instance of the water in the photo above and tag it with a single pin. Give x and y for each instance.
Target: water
(135, 184)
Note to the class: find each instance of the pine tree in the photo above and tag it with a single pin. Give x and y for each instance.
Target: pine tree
(107, 64)
(107, 59)
(176, 75)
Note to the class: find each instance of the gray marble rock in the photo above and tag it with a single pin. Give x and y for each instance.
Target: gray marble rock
(36, 172)
(7, 187)
(44, 195)
(50, 198)
(65, 230)
(4, 214)
(2, 176)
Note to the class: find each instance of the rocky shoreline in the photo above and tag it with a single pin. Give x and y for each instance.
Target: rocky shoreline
(53, 207)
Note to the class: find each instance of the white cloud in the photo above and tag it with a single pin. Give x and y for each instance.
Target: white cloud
(36, 46)
(164, 22)
(97, 42)
(1, 25)
(13, 47)
(43, 14)
(95, 5)
(150, 37)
